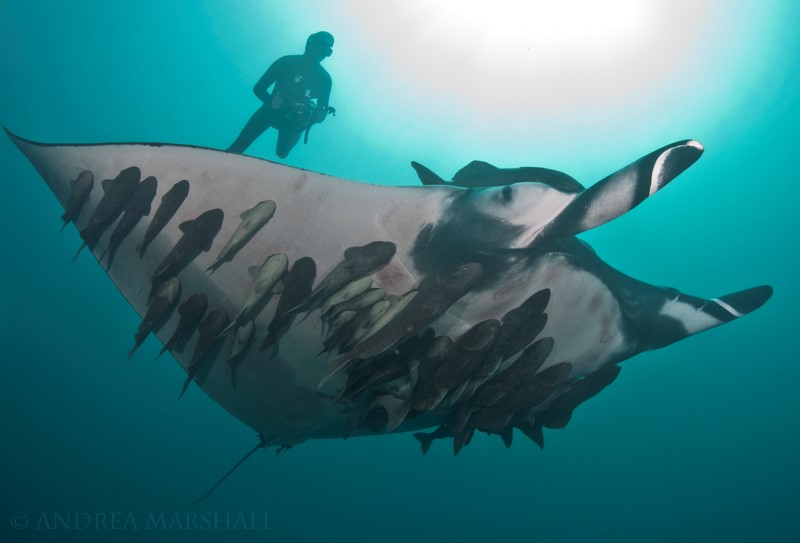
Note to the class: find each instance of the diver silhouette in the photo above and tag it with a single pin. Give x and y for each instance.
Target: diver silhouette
(298, 101)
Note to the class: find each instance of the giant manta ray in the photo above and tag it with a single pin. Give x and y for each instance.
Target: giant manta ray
(313, 307)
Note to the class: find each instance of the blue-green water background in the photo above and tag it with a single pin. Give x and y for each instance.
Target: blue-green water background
(697, 442)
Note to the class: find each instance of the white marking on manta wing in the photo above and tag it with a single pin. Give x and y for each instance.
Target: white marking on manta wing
(727, 307)
(658, 168)
(693, 320)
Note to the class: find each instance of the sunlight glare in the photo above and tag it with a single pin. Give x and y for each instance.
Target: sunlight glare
(510, 54)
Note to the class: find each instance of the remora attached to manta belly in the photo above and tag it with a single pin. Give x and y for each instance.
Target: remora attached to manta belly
(116, 194)
(163, 301)
(80, 190)
(191, 313)
(198, 235)
(252, 221)
(266, 277)
(489, 264)
(358, 262)
(296, 292)
(208, 344)
(435, 294)
(169, 205)
(136, 208)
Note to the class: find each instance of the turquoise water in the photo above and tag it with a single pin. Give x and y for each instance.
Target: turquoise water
(696, 442)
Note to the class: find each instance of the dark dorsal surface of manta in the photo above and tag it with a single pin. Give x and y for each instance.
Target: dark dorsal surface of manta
(478, 174)
(462, 307)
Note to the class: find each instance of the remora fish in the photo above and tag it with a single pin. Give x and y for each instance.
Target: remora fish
(266, 277)
(346, 293)
(208, 344)
(362, 301)
(116, 194)
(161, 305)
(80, 189)
(523, 370)
(463, 359)
(435, 294)
(169, 205)
(358, 262)
(520, 327)
(136, 208)
(296, 291)
(198, 235)
(242, 341)
(522, 235)
(252, 221)
(191, 313)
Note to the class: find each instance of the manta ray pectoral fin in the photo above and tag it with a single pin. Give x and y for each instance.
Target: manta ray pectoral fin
(681, 316)
(732, 306)
(623, 190)
(745, 301)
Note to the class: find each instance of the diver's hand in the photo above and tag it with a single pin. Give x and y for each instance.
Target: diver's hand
(322, 113)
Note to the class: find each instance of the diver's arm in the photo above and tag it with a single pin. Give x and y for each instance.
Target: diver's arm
(261, 88)
(322, 101)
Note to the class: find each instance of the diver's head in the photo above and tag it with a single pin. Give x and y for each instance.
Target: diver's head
(319, 45)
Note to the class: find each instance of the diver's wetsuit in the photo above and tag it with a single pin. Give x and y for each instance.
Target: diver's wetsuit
(297, 81)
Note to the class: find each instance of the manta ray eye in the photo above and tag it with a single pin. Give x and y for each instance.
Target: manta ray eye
(507, 194)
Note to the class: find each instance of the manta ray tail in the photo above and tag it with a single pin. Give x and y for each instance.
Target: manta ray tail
(260, 445)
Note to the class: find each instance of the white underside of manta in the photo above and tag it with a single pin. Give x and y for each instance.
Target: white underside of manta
(519, 240)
